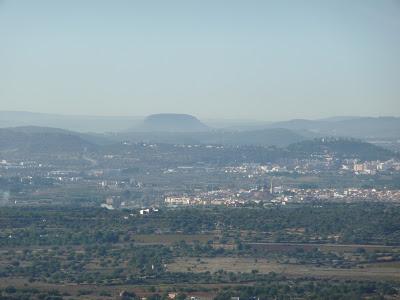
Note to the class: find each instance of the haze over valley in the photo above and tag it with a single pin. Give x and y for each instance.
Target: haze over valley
(198, 150)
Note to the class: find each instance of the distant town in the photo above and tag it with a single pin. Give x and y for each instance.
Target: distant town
(141, 175)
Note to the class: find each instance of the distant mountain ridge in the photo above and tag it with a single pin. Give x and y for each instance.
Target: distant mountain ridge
(28, 141)
(357, 127)
(367, 128)
(265, 137)
(80, 123)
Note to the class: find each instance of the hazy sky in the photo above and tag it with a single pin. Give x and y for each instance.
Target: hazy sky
(265, 60)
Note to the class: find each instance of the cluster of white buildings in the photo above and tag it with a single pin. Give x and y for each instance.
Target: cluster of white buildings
(279, 195)
(316, 165)
(255, 169)
(372, 167)
(349, 194)
(186, 200)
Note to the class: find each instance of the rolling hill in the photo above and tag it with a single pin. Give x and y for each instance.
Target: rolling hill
(341, 147)
(31, 140)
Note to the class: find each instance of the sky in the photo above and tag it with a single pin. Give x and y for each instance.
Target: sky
(254, 60)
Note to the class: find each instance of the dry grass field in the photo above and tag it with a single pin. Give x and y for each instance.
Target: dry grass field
(169, 239)
(384, 271)
(287, 247)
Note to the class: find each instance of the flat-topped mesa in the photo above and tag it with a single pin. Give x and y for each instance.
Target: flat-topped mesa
(172, 123)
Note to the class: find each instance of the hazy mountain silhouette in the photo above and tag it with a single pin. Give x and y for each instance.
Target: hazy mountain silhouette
(31, 139)
(369, 128)
(264, 137)
(172, 123)
(81, 123)
(358, 127)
